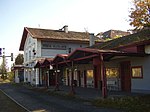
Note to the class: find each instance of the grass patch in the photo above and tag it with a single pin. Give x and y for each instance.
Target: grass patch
(7, 105)
(66, 96)
(58, 93)
(127, 103)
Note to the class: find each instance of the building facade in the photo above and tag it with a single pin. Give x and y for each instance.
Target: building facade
(40, 44)
(18, 73)
(121, 64)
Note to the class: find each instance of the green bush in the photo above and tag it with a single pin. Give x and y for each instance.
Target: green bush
(127, 103)
(10, 76)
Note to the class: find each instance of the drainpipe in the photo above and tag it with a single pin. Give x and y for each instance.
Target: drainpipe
(103, 75)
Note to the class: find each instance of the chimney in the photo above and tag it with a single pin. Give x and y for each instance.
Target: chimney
(66, 28)
(92, 39)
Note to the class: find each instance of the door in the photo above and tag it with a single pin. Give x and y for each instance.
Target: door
(83, 79)
(79, 79)
(125, 76)
(52, 78)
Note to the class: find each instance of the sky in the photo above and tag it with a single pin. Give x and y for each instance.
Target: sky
(93, 16)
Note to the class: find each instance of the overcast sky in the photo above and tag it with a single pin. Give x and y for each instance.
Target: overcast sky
(92, 15)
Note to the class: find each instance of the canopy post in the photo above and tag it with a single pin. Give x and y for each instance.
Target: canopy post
(57, 82)
(72, 79)
(103, 77)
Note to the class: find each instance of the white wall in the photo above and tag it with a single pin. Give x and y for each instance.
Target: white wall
(51, 52)
(38, 48)
(16, 76)
(141, 83)
(37, 76)
(54, 48)
(137, 84)
(30, 44)
(30, 59)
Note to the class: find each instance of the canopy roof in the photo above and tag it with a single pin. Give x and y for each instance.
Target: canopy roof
(139, 38)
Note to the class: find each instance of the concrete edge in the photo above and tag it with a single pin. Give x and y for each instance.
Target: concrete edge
(15, 101)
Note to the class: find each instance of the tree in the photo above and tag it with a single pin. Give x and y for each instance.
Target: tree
(140, 14)
(19, 59)
(3, 68)
(10, 76)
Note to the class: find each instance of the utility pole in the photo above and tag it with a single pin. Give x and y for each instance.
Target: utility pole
(3, 65)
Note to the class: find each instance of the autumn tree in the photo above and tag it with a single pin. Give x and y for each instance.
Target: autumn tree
(140, 14)
(19, 59)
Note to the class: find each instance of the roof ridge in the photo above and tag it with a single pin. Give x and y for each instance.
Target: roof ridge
(53, 30)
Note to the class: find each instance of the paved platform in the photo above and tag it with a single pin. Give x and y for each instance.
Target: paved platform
(91, 93)
(42, 102)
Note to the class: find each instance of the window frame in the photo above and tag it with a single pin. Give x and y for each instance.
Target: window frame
(137, 77)
(116, 68)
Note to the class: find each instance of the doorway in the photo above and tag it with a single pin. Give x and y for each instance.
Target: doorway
(52, 77)
(125, 75)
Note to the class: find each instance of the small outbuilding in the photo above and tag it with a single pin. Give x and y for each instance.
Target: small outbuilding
(18, 73)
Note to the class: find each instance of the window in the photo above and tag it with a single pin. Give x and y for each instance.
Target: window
(90, 73)
(26, 59)
(69, 50)
(90, 78)
(29, 40)
(112, 72)
(29, 55)
(137, 72)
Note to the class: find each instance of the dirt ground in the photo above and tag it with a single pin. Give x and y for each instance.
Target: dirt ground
(8, 105)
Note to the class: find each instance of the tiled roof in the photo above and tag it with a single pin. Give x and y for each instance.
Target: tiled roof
(47, 61)
(54, 35)
(136, 38)
(58, 34)
(60, 57)
(39, 63)
(112, 34)
(17, 67)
